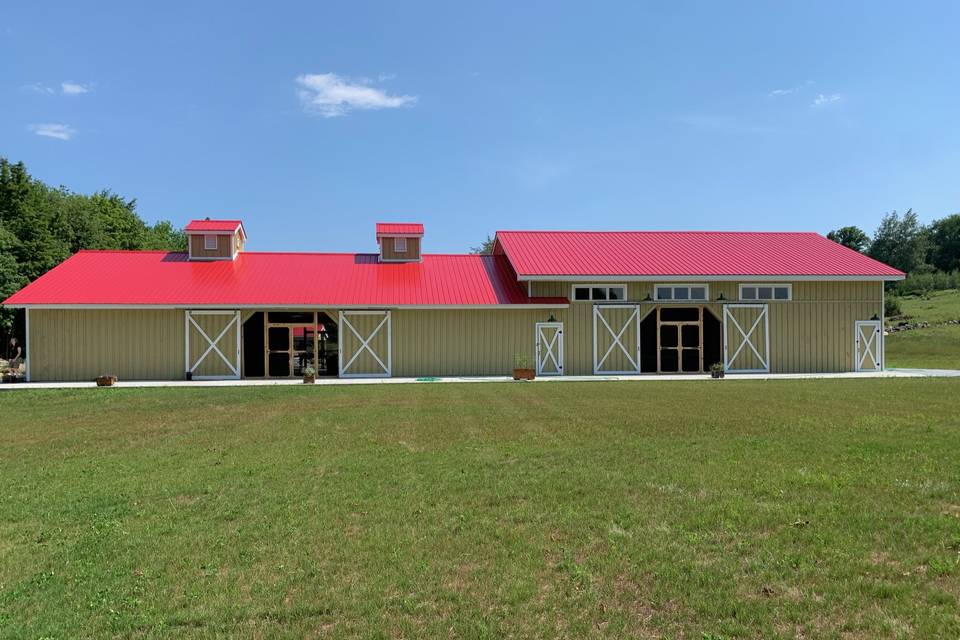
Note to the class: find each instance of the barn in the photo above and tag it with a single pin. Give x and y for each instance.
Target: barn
(568, 302)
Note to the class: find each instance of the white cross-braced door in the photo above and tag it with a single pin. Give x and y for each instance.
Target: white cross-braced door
(868, 343)
(746, 338)
(616, 339)
(549, 348)
(212, 345)
(365, 344)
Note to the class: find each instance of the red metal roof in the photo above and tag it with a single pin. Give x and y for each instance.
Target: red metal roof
(275, 279)
(399, 228)
(684, 253)
(213, 225)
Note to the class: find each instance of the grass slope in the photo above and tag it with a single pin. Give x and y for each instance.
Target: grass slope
(933, 347)
(707, 509)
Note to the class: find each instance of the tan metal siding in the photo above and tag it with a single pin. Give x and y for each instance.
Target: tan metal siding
(78, 344)
(813, 332)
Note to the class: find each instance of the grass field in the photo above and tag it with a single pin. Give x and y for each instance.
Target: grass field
(712, 509)
(934, 347)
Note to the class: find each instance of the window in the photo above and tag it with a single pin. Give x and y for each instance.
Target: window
(599, 292)
(400, 245)
(766, 292)
(681, 293)
(210, 242)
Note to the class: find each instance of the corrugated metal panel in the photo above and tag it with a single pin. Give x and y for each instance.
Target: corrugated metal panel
(399, 228)
(81, 344)
(683, 253)
(275, 279)
(213, 225)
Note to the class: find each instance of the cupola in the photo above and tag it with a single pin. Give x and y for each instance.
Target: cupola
(215, 239)
(400, 241)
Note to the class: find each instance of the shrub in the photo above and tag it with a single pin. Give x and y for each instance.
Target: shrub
(891, 307)
(923, 283)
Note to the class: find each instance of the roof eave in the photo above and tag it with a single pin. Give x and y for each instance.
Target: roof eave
(706, 278)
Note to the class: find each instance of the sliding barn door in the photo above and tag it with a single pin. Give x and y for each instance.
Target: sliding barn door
(746, 338)
(616, 338)
(365, 347)
(212, 349)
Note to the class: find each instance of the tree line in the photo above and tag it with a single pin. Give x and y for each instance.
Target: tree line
(41, 226)
(905, 244)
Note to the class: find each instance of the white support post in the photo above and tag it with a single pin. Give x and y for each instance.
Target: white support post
(186, 342)
(594, 339)
(340, 344)
(883, 322)
(239, 361)
(726, 343)
(26, 346)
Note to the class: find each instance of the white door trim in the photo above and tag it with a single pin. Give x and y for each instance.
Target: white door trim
(549, 349)
(365, 344)
(211, 343)
(633, 317)
(746, 336)
(863, 346)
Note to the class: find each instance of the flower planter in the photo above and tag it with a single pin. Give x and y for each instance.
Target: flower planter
(309, 379)
(716, 374)
(106, 381)
(524, 374)
(12, 377)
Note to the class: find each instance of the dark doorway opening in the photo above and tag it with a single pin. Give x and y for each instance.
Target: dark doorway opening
(712, 339)
(648, 343)
(253, 346)
(676, 339)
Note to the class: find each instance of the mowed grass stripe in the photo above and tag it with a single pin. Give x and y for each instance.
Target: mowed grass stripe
(728, 508)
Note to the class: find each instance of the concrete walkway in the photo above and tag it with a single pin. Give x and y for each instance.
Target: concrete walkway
(890, 373)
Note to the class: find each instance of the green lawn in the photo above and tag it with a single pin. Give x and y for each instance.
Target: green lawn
(937, 306)
(933, 347)
(712, 509)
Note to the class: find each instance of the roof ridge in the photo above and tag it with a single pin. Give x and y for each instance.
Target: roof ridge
(659, 232)
(128, 251)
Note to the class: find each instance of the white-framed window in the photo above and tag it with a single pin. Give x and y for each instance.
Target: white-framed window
(400, 245)
(764, 291)
(210, 242)
(681, 292)
(591, 292)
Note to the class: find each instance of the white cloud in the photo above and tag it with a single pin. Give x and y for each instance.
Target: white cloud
(791, 90)
(66, 88)
(52, 130)
(784, 92)
(73, 88)
(822, 99)
(40, 88)
(331, 95)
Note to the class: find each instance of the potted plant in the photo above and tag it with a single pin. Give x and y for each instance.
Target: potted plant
(106, 380)
(309, 375)
(716, 370)
(521, 368)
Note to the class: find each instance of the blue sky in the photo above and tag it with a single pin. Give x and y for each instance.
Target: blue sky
(313, 121)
